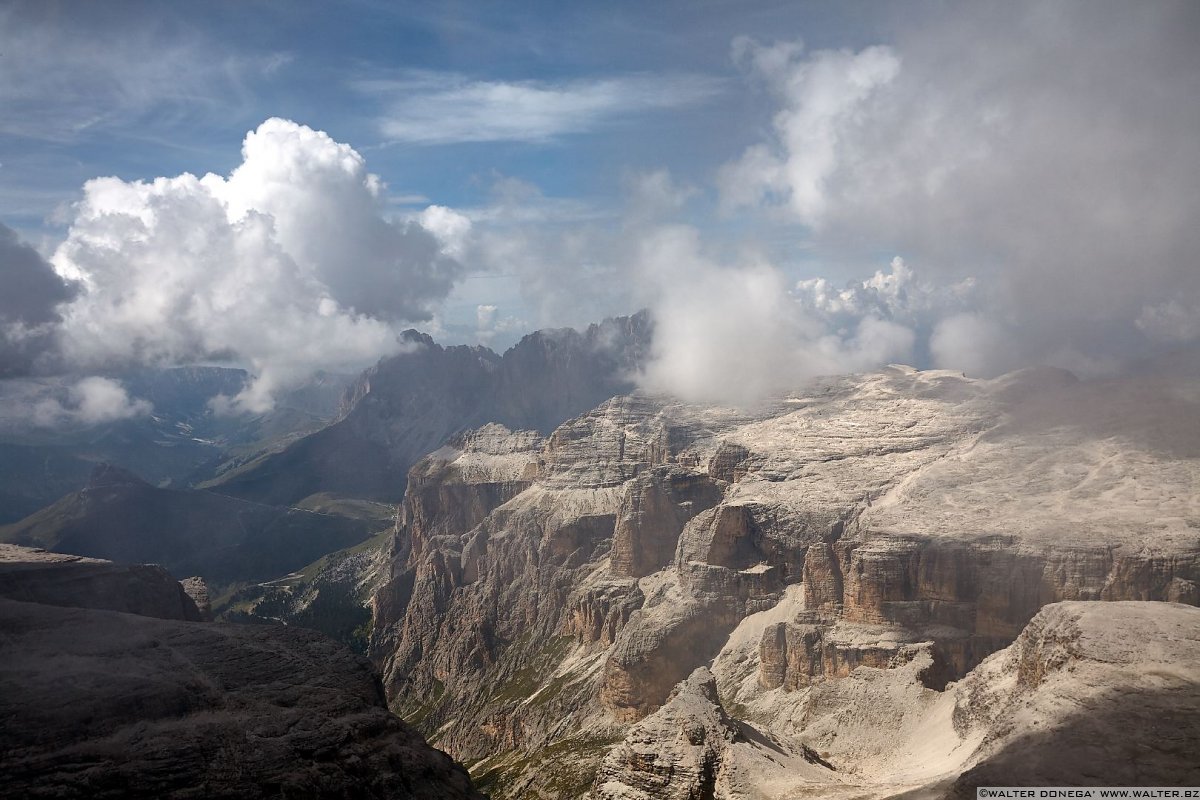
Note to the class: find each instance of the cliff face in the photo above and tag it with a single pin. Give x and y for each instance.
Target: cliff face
(411, 404)
(550, 593)
(1088, 694)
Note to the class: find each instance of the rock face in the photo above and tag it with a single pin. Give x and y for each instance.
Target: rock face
(690, 748)
(546, 592)
(101, 703)
(104, 704)
(676, 753)
(118, 516)
(36, 576)
(411, 404)
(1088, 691)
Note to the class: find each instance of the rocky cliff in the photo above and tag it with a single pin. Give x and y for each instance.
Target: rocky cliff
(546, 594)
(1090, 693)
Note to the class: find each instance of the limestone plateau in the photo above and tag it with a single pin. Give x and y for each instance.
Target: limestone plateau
(111, 688)
(901, 581)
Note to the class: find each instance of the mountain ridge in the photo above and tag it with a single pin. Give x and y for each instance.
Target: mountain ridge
(410, 404)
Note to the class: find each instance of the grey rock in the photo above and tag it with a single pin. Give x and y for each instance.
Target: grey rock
(101, 704)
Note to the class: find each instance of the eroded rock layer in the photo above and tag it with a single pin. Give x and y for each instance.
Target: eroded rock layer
(552, 592)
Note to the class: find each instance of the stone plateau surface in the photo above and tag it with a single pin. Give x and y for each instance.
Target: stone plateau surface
(98, 703)
(37, 576)
(548, 593)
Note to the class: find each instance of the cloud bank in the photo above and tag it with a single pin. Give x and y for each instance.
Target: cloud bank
(1046, 149)
(287, 265)
(735, 334)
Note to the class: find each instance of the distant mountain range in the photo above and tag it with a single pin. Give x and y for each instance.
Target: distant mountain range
(180, 442)
(119, 517)
(411, 404)
(294, 485)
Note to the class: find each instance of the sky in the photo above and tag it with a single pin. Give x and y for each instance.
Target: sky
(791, 189)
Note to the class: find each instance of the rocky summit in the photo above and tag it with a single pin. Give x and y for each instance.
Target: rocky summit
(836, 589)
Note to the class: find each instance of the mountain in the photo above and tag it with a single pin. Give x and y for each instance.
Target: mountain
(410, 404)
(850, 553)
(118, 516)
(103, 704)
(181, 441)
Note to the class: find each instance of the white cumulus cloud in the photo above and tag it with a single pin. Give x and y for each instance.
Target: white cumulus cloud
(90, 401)
(286, 265)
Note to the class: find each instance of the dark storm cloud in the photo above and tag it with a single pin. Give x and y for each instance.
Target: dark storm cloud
(30, 294)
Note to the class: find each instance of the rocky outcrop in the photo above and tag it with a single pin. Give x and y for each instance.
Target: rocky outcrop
(35, 576)
(690, 748)
(654, 508)
(1087, 693)
(676, 753)
(102, 704)
(197, 590)
(906, 524)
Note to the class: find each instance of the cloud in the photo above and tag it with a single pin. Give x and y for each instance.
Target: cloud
(68, 73)
(1170, 322)
(656, 193)
(1047, 150)
(90, 401)
(736, 335)
(433, 108)
(821, 97)
(972, 343)
(287, 265)
(29, 305)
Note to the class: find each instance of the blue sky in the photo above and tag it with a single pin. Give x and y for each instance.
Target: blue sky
(971, 185)
(144, 89)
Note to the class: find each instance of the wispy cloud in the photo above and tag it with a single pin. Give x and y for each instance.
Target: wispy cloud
(444, 108)
(62, 79)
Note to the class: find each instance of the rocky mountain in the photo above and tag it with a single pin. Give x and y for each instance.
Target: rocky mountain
(1045, 711)
(410, 404)
(102, 704)
(550, 594)
(118, 516)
